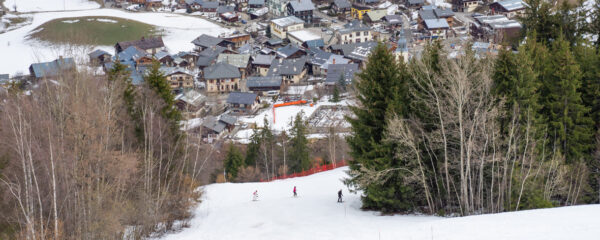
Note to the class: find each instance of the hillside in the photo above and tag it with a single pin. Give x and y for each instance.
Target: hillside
(227, 212)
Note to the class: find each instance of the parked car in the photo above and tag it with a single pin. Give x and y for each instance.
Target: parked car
(323, 29)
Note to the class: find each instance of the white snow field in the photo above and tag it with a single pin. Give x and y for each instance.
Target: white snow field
(227, 212)
(50, 5)
(17, 52)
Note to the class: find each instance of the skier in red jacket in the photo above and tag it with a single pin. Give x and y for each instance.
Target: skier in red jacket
(295, 194)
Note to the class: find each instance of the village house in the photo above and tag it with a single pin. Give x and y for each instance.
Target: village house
(375, 15)
(164, 58)
(208, 56)
(338, 71)
(341, 7)
(465, 5)
(354, 32)
(205, 41)
(429, 14)
(277, 8)
(393, 21)
(290, 51)
(99, 57)
(508, 8)
(213, 127)
(358, 11)
(302, 9)
(357, 52)
(414, 4)
(319, 62)
(237, 40)
(241, 61)
(292, 71)
(190, 102)
(51, 69)
(256, 3)
(495, 28)
(436, 28)
(260, 85)
(189, 57)
(242, 103)
(305, 38)
(150, 45)
(178, 78)
(222, 77)
(281, 26)
(261, 64)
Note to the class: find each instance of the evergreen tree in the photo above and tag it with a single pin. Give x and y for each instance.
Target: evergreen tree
(298, 154)
(336, 94)
(233, 162)
(253, 149)
(595, 24)
(157, 81)
(381, 95)
(567, 116)
(342, 82)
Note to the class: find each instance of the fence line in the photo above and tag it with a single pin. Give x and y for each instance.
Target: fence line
(311, 171)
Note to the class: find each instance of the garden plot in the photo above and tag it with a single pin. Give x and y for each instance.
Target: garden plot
(329, 116)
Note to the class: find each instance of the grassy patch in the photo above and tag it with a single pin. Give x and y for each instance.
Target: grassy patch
(95, 30)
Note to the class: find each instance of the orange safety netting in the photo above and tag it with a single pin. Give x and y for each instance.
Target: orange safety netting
(311, 171)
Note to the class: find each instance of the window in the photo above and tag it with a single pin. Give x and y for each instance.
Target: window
(366, 33)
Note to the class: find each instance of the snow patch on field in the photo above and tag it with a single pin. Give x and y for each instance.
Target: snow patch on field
(227, 212)
(106, 20)
(71, 21)
(49, 5)
(19, 52)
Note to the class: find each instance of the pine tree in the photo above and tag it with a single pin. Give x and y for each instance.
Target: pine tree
(567, 116)
(342, 82)
(233, 162)
(381, 94)
(336, 94)
(157, 81)
(595, 24)
(298, 155)
(253, 149)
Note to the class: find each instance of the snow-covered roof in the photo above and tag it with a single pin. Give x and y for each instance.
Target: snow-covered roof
(512, 5)
(304, 35)
(436, 23)
(287, 21)
(238, 60)
(498, 21)
(302, 5)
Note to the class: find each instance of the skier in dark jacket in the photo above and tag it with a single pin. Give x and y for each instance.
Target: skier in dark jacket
(340, 196)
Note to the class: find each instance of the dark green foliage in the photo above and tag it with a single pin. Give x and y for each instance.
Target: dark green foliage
(566, 115)
(253, 148)
(157, 81)
(382, 95)
(550, 23)
(298, 154)
(335, 97)
(342, 82)
(233, 162)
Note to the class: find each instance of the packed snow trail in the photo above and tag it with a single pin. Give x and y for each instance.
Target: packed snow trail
(228, 212)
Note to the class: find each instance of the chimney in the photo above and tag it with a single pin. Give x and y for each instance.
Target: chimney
(281, 60)
(143, 38)
(334, 60)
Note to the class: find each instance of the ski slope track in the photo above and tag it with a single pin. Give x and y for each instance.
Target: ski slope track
(228, 212)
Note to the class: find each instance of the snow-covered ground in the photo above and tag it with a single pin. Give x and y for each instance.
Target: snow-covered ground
(50, 5)
(285, 115)
(227, 212)
(17, 52)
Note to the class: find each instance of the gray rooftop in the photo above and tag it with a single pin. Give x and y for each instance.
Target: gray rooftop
(263, 59)
(302, 5)
(287, 66)
(207, 41)
(53, 68)
(256, 2)
(241, 98)
(221, 70)
(213, 124)
(512, 5)
(287, 51)
(335, 71)
(287, 21)
(258, 82)
(443, 13)
(238, 60)
(131, 53)
(342, 3)
(439, 23)
(98, 52)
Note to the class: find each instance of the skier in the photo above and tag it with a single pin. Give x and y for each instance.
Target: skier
(295, 194)
(255, 196)
(340, 196)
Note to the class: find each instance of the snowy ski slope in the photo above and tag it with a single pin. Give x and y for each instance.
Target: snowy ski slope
(227, 212)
